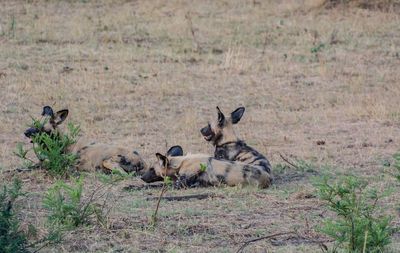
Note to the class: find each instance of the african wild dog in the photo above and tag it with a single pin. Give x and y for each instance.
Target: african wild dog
(222, 135)
(92, 155)
(186, 169)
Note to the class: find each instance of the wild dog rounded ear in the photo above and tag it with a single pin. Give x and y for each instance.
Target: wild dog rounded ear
(162, 159)
(237, 115)
(59, 117)
(221, 117)
(47, 111)
(175, 151)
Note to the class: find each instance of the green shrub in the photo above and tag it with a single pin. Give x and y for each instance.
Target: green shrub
(51, 150)
(12, 239)
(359, 217)
(67, 206)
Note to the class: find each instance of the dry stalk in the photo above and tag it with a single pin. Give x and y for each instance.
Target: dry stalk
(365, 240)
(196, 42)
(266, 40)
(163, 190)
(288, 162)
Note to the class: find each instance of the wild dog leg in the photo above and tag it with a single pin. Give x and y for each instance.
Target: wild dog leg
(109, 165)
(191, 181)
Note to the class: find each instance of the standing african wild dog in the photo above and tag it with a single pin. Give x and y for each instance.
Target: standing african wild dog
(228, 146)
(188, 170)
(92, 155)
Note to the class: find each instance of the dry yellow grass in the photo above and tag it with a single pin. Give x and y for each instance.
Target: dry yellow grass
(141, 79)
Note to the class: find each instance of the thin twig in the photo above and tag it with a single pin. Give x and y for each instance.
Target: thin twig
(286, 160)
(105, 201)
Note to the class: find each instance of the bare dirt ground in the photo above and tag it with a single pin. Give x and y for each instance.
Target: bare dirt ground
(148, 74)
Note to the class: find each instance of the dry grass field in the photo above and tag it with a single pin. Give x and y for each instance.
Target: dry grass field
(148, 74)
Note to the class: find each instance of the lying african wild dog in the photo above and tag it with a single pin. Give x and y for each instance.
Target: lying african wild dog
(222, 135)
(92, 155)
(187, 170)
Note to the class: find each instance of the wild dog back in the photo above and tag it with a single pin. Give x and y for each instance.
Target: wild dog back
(241, 152)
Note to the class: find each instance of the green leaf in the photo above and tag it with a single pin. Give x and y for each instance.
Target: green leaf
(21, 152)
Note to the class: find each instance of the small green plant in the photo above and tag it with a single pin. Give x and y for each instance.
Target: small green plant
(318, 48)
(203, 167)
(12, 26)
(359, 224)
(281, 168)
(12, 238)
(51, 149)
(67, 206)
(303, 166)
(396, 165)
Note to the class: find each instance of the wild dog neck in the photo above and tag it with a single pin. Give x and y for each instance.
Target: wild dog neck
(228, 136)
(238, 142)
(229, 150)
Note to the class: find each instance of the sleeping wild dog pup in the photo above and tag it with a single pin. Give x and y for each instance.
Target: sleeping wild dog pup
(92, 155)
(187, 169)
(222, 135)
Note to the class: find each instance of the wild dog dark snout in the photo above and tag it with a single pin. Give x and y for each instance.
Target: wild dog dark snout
(31, 132)
(150, 176)
(207, 132)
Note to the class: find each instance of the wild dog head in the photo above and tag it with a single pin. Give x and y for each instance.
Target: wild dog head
(157, 171)
(50, 124)
(220, 130)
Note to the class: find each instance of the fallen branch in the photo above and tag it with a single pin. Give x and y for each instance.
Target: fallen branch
(263, 238)
(288, 162)
(319, 242)
(35, 167)
(177, 185)
(186, 197)
(143, 187)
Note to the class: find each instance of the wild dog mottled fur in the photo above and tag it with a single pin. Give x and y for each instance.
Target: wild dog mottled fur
(222, 135)
(188, 171)
(92, 155)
